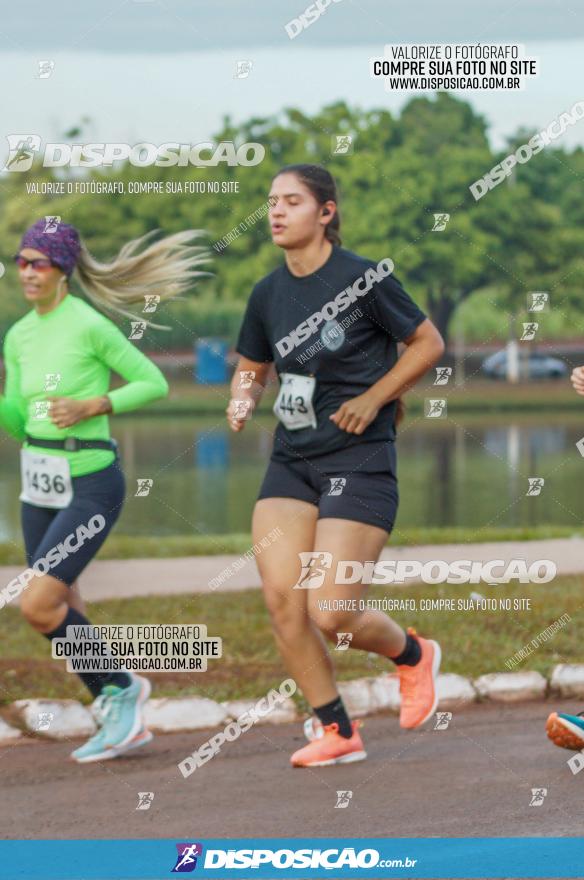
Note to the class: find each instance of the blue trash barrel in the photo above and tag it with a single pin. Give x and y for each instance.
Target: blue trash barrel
(211, 361)
(212, 451)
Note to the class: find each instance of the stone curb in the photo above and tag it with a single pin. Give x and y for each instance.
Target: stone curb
(64, 719)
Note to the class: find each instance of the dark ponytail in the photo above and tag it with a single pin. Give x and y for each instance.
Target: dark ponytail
(322, 185)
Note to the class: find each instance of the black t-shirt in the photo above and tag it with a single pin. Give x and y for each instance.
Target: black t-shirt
(346, 352)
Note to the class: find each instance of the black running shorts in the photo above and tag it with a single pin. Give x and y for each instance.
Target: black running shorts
(68, 539)
(357, 483)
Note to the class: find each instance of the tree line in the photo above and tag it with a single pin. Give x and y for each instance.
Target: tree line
(526, 234)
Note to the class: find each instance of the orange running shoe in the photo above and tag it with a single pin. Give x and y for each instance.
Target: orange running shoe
(331, 748)
(566, 731)
(417, 684)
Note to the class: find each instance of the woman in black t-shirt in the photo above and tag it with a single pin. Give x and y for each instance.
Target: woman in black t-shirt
(329, 321)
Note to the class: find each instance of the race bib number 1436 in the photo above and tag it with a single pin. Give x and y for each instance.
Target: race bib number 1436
(46, 480)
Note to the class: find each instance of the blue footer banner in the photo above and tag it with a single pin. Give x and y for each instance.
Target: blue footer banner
(375, 858)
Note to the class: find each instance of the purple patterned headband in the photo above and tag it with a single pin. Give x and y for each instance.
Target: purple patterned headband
(59, 241)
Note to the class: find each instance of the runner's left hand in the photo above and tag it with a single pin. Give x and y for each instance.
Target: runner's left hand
(356, 414)
(64, 411)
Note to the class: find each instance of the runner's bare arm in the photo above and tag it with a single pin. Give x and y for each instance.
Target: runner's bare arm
(247, 386)
(424, 347)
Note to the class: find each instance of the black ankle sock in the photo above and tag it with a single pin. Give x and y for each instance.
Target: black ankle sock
(94, 681)
(335, 712)
(411, 654)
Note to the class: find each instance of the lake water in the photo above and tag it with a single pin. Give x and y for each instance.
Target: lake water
(461, 471)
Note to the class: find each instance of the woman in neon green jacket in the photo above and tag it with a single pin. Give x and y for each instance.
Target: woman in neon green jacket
(57, 361)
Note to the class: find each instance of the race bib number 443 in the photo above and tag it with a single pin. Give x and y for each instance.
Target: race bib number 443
(46, 480)
(293, 404)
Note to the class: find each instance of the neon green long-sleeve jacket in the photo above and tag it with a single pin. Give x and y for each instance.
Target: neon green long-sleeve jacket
(70, 352)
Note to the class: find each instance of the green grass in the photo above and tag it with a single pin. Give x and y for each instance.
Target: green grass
(473, 642)
(166, 546)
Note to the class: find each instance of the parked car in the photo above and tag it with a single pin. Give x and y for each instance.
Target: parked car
(533, 365)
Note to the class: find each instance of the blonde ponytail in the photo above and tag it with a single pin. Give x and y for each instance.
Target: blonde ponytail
(167, 268)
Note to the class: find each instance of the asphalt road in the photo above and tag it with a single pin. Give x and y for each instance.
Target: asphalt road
(473, 779)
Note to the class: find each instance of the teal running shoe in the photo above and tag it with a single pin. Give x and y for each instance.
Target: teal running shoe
(122, 711)
(566, 731)
(118, 713)
(95, 748)
(97, 708)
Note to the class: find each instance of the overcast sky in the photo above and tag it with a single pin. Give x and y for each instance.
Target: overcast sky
(165, 70)
(169, 25)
